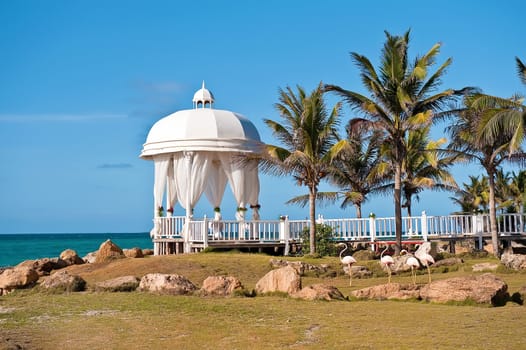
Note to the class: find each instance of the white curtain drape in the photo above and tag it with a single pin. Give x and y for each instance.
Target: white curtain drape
(215, 188)
(252, 182)
(171, 190)
(235, 173)
(191, 173)
(161, 171)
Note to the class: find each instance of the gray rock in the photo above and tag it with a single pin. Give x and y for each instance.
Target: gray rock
(319, 292)
(285, 279)
(513, 261)
(388, 291)
(171, 284)
(221, 285)
(63, 281)
(17, 278)
(119, 284)
(448, 262)
(484, 289)
(485, 267)
(71, 258)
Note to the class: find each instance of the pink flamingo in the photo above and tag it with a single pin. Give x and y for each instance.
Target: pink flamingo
(348, 260)
(387, 261)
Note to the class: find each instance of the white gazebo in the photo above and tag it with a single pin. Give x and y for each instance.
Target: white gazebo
(198, 151)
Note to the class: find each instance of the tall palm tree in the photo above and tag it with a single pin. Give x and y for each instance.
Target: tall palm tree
(504, 114)
(308, 134)
(474, 196)
(424, 168)
(354, 170)
(489, 153)
(401, 99)
(517, 189)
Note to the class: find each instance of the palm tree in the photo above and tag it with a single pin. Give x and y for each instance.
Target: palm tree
(489, 153)
(424, 168)
(401, 99)
(354, 170)
(504, 114)
(474, 196)
(517, 188)
(308, 134)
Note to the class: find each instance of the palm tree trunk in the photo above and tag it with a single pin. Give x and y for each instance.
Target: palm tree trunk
(358, 211)
(312, 213)
(398, 207)
(493, 215)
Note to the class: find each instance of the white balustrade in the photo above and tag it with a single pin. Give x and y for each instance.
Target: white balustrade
(351, 229)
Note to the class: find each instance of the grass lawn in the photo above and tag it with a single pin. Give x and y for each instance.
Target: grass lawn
(89, 320)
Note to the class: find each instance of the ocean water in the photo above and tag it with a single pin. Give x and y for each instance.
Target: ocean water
(15, 248)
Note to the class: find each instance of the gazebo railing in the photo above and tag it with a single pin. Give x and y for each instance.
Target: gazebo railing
(346, 229)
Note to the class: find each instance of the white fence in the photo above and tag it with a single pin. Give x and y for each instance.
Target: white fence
(365, 229)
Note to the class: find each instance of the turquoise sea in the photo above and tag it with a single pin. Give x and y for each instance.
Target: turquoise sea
(15, 248)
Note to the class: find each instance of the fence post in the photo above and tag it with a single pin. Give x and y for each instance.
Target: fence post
(424, 225)
(479, 228)
(372, 230)
(205, 232)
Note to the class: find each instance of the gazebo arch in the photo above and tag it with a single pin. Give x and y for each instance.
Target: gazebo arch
(197, 151)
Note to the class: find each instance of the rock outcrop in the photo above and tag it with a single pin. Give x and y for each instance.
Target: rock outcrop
(448, 262)
(221, 286)
(486, 288)
(17, 278)
(71, 257)
(109, 251)
(285, 279)
(319, 292)
(388, 291)
(63, 281)
(133, 253)
(44, 266)
(119, 284)
(513, 261)
(481, 267)
(171, 284)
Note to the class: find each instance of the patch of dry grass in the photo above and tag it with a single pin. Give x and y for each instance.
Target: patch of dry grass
(140, 320)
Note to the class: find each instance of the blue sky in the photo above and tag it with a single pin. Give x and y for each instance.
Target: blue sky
(81, 83)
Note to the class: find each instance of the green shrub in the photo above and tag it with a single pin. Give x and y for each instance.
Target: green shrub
(324, 244)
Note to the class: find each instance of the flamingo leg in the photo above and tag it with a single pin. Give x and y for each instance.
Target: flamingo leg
(388, 275)
(413, 275)
(429, 273)
(350, 276)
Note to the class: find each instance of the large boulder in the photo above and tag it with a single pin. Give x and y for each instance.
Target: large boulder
(171, 284)
(63, 281)
(221, 285)
(388, 291)
(358, 271)
(285, 279)
(486, 266)
(483, 289)
(17, 278)
(319, 292)
(44, 266)
(299, 266)
(448, 262)
(119, 284)
(90, 258)
(109, 251)
(71, 257)
(133, 253)
(513, 261)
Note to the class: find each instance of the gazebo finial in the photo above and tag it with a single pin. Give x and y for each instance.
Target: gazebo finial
(203, 96)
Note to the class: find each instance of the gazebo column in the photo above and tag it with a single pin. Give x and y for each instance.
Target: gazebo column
(188, 159)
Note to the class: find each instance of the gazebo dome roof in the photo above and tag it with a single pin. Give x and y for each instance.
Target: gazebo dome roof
(202, 129)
